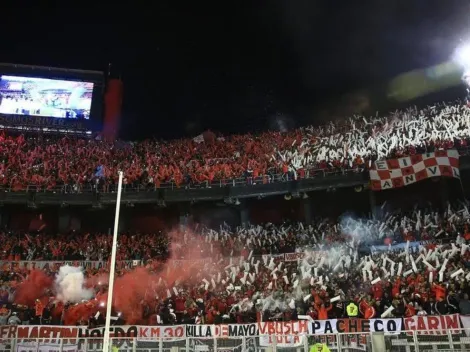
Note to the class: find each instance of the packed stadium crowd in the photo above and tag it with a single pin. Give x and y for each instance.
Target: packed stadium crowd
(354, 143)
(396, 265)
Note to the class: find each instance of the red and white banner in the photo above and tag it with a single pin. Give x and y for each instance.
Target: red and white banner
(465, 320)
(70, 332)
(285, 334)
(434, 324)
(292, 257)
(267, 257)
(55, 265)
(50, 346)
(281, 341)
(315, 255)
(173, 263)
(395, 173)
(335, 326)
(179, 263)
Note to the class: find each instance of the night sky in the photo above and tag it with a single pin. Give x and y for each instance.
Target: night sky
(235, 66)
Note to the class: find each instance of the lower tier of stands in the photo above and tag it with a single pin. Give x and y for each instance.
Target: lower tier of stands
(300, 336)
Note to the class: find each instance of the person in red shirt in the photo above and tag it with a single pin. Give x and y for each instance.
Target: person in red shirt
(410, 310)
(377, 291)
(323, 311)
(179, 306)
(222, 306)
(363, 305)
(439, 291)
(210, 315)
(369, 311)
(312, 313)
(39, 308)
(396, 287)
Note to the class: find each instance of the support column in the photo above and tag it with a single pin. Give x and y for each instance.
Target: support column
(307, 203)
(244, 214)
(444, 189)
(183, 220)
(184, 214)
(64, 220)
(4, 218)
(373, 204)
(123, 221)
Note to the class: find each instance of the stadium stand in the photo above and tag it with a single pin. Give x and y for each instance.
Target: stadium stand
(352, 144)
(406, 261)
(395, 267)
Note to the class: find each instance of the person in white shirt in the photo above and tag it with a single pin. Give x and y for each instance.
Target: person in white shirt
(421, 311)
(4, 318)
(14, 320)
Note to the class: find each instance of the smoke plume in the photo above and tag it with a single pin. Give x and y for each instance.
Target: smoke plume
(70, 285)
(35, 286)
(149, 285)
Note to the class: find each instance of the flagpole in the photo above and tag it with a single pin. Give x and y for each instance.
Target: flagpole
(112, 267)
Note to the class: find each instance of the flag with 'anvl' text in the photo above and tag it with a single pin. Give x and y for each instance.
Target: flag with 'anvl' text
(395, 173)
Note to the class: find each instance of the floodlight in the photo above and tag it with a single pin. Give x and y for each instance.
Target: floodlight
(462, 56)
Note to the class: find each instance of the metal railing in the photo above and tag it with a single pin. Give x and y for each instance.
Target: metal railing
(237, 182)
(406, 341)
(275, 176)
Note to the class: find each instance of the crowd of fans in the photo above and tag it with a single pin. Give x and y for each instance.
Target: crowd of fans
(397, 265)
(392, 227)
(80, 247)
(49, 162)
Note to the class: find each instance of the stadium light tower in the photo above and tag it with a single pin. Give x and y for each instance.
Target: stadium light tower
(112, 267)
(462, 57)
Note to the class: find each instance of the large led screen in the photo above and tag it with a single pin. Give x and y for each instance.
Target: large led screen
(45, 97)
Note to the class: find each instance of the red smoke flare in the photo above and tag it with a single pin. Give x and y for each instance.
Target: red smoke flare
(34, 287)
(146, 284)
(133, 288)
(81, 311)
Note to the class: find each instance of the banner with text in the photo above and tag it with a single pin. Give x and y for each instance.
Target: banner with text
(434, 324)
(292, 330)
(286, 334)
(180, 263)
(55, 265)
(395, 173)
(335, 326)
(50, 346)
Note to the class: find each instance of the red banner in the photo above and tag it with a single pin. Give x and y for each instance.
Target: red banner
(292, 257)
(395, 173)
(424, 324)
(112, 108)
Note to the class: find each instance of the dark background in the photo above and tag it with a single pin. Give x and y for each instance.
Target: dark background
(235, 66)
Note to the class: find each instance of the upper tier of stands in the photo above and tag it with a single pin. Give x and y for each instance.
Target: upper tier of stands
(351, 144)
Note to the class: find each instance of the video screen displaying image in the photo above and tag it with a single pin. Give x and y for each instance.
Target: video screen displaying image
(45, 97)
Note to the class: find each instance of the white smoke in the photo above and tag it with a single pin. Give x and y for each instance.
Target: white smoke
(365, 230)
(69, 285)
(244, 305)
(271, 303)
